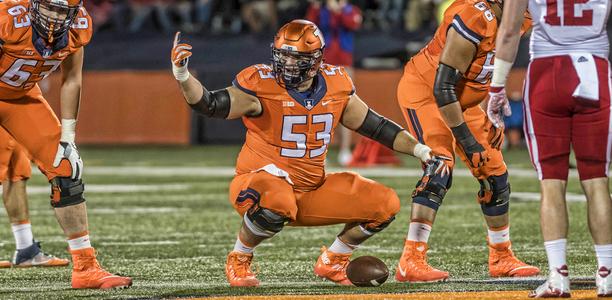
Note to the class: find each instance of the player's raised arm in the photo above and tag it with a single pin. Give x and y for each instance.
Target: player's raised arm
(357, 116)
(455, 60)
(507, 42)
(227, 103)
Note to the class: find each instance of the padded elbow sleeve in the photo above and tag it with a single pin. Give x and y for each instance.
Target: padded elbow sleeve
(444, 86)
(379, 128)
(215, 104)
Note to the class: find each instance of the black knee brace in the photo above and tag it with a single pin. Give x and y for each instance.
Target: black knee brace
(265, 222)
(494, 195)
(432, 187)
(66, 191)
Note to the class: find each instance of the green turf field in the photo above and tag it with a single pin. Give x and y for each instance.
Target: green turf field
(171, 232)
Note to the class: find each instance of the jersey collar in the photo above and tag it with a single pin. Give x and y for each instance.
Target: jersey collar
(310, 101)
(44, 49)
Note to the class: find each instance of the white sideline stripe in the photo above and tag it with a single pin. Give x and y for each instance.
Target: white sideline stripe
(116, 188)
(569, 197)
(113, 211)
(148, 243)
(230, 171)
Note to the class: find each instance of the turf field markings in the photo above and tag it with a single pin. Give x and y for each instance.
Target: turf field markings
(146, 243)
(117, 188)
(230, 171)
(526, 196)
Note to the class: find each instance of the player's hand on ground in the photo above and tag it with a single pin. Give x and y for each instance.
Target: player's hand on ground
(498, 106)
(495, 135)
(180, 58)
(66, 150)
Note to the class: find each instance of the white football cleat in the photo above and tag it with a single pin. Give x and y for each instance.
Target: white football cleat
(557, 285)
(603, 279)
(345, 157)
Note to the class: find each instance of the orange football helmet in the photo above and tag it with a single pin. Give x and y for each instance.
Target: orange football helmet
(52, 18)
(297, 53)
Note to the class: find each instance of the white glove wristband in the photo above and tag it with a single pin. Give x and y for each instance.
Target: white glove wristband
(180, 73)
(68, 130)
(501, 69)
(422, 152)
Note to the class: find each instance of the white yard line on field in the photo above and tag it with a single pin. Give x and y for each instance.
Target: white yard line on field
(229, 171)
(116, 188)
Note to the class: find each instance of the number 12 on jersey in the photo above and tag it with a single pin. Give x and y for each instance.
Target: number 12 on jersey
(300, 139)
(568, 7)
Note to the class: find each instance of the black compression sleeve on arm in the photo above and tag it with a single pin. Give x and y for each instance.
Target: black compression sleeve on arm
(464, 136)
(379, 128)
(444, 86)
(215, 104)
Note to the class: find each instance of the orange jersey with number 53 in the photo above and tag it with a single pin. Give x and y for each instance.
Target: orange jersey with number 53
(294, 129)
(24, 58)
(476, 22)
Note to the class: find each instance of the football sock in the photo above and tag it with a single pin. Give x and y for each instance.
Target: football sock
(242, 248)
(23, 234)
(555, 251)
(80, 242)
(341, 247)
(499, 235)
(419, 231)
(604, 256)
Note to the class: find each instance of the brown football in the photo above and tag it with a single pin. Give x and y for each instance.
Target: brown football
(367, 271)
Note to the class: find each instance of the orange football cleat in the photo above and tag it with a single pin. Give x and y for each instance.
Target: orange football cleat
(413, 266)
(33, 256)
(238, 269)
(332, 266)
(5, 264)
(87, 273)
(503, 263)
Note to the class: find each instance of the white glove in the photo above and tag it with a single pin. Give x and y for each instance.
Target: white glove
(422, 152)
(180, 58)
(66, 150)
(498, 106)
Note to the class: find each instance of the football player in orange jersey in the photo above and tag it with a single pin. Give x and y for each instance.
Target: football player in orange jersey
(36, 37)
(15, 170)
(290, 110)
(440, 93)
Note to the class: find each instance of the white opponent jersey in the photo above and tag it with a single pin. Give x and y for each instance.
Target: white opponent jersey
(569, 26)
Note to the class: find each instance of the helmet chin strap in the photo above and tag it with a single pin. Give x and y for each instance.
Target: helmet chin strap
(50, 33)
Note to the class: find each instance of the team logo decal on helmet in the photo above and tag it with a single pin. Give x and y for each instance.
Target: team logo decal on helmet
(297, 53)
(52, 18)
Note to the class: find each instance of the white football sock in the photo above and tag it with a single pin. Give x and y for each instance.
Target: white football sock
(242, 248)
(418, 232)
(341, 247)
(604, 256)
(23, 235)
(79, 243)
(499, 236)
(555, 251)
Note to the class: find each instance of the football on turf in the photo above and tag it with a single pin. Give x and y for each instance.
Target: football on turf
(367, 271)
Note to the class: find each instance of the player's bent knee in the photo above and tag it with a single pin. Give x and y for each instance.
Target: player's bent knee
(430, 191)
(66, 192)
(494, 195)
(385, 212)
(264, 222)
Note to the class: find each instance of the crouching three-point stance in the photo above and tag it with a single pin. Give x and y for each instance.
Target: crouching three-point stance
(291, 110)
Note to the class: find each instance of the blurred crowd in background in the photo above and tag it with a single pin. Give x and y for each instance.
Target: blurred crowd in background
(255, 16)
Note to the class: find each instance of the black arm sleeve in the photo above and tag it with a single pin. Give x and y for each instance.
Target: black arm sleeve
(444, 86)
(379, 128)
(215, 104)
(466, 139)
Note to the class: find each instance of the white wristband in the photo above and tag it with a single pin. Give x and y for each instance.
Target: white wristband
(68, 130)
(501, 69)
(422, 152)
(180, 73)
